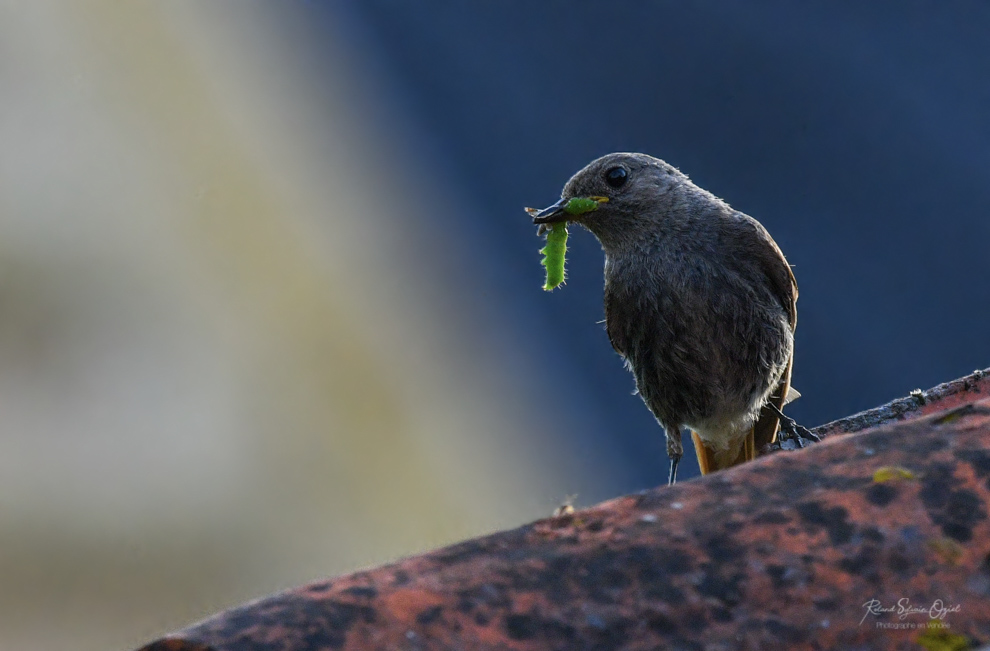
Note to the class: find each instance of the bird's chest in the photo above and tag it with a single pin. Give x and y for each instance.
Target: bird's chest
(666, 305)
(643, 301)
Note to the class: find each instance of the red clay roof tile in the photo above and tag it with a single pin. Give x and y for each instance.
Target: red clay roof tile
(784, 552)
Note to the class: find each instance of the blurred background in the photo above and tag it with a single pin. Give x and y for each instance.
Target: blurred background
(270, 309)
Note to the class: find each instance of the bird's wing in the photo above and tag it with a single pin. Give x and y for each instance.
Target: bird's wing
(760, 246)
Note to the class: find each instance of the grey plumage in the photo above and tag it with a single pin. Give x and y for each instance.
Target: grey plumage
(699, 301)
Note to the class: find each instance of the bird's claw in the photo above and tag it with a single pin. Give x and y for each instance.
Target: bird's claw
(790, 430)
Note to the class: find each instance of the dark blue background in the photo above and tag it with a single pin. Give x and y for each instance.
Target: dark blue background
(857, 133)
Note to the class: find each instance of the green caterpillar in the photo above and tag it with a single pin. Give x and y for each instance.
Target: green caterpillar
(556, 248)
(553, 255)
(581, 205)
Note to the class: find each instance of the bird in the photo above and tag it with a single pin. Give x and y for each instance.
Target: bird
(700, 303)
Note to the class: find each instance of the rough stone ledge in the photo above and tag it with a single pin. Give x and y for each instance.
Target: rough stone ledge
(945, 396)
(781, 553)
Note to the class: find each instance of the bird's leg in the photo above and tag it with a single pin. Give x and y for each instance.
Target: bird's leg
(795, 432)
(674, 461)
(674, 451)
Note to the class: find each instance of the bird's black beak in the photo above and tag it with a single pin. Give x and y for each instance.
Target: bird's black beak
(566, 209)
(550, 214)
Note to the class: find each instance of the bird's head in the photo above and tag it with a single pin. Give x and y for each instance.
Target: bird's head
(615, 196)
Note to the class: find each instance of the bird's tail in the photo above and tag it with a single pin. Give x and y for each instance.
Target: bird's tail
(710, 459)
(757, 439)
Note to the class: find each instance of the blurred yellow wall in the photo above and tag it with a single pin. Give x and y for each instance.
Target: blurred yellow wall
(222, 370)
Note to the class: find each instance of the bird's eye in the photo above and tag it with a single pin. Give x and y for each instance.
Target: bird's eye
(616, 176)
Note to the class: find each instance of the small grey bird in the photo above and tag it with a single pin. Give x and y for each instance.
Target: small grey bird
(699, 301)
